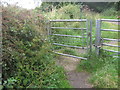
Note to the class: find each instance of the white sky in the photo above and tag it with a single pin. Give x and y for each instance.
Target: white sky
(28, 4)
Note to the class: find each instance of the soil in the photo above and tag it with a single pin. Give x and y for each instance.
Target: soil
(76, 79)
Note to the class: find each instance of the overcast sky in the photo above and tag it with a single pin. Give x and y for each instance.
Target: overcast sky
(28, 4)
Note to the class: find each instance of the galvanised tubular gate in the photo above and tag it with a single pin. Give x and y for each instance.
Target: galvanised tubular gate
(99, 39)
(89, 37)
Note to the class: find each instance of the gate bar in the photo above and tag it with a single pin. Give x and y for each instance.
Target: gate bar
(68, 35)
(111, 50)
(69, 20)
(118, 40)
(69, 46)
(110, 20)
(70, 55)
(68, 28)
(110, 30)
(105, 44)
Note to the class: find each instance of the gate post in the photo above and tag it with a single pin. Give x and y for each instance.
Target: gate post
(48, 27)
(90, 36)
(87, 40)
(98, 36)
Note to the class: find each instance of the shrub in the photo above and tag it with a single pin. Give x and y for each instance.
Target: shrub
(110, 12)
(27, 61)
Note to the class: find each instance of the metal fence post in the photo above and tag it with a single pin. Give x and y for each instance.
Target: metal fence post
(49, 27)
(90, 36)
(87, 40)
(98, 36)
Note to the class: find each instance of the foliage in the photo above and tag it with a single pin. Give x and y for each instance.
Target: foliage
(95, 6)
(110, 12)
(27, 61)
(49, 6)
(104, 70)
(102, 6)
(69, 51)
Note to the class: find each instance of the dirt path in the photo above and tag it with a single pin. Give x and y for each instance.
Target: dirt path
(76, 79)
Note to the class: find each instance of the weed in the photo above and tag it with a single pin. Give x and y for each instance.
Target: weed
(27, 61)
(104, 70)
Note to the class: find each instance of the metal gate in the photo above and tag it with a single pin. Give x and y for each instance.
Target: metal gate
(84, 34)
(100, 41)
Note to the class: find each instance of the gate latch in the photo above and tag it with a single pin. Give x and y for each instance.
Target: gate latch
(97, 46)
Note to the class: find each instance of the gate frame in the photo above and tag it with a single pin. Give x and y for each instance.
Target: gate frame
(88, 31)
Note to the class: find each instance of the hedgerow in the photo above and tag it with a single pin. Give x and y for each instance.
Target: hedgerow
(27, 61)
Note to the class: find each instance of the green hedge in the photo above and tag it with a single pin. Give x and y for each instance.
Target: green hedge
(27, 61)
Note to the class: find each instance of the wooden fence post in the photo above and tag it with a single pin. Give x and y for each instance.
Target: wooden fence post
(98, 36)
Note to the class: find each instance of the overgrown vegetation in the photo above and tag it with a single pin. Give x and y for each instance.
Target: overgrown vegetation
(104, 69)
(27, 60)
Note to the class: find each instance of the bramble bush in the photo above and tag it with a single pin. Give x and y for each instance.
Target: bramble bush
(27, 61)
